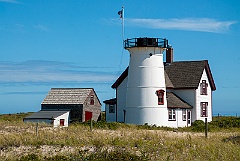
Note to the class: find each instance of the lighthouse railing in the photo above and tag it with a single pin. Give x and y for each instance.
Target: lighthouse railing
(146, 42)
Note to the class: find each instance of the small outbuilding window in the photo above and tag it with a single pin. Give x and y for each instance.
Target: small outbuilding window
(111, 109)
(204, 108)
(171, 115)
(92, 100)
(203, 87)
(160, 94)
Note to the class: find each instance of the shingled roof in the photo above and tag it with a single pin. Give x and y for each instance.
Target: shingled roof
(187, 74)
(182, 74)
(45, 114)
(173, 101)
(67, 95)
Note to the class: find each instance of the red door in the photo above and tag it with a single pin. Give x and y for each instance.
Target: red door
(61, 122)
(88, 115)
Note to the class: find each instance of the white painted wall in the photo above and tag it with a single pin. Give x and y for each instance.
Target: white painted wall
(203, 98)
(64, 116)
(145, 77)
(110, 117)
(188, 95)
(179, 120)
(121, 100)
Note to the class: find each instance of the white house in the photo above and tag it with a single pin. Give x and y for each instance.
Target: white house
(172, 94)
(56, 118)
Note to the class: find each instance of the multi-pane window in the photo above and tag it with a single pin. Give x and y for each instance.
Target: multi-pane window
(203, 87)
(92, 100)
(184, 114)
(171, 115)
(111, 109)
(160, 94)
(204, 107)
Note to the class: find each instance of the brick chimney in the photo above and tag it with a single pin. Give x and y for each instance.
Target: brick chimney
(169, 55)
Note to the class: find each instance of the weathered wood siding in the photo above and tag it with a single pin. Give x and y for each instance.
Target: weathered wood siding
(76, 110)
(95, 108)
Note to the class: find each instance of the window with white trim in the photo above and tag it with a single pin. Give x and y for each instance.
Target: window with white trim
(171, 115)
(184, 114)
(204, 109)
(111, 109)
(203, 87)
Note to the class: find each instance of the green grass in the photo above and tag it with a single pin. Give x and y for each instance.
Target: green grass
(117, 141)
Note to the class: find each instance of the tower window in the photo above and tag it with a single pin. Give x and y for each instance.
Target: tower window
(160, 94)
(203, 87)
(92, 100)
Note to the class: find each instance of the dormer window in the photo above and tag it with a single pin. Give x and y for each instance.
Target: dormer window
(160, 94)
(92, 100)
(203, 87)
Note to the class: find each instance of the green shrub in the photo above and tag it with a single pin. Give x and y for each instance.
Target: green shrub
(198, 126)
(32, 157)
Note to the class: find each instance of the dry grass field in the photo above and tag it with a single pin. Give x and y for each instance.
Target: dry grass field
(113, 141)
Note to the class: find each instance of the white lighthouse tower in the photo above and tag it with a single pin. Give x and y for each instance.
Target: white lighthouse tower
(146, 90)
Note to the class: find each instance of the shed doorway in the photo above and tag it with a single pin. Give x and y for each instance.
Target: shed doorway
(61, 122)
(88, 115)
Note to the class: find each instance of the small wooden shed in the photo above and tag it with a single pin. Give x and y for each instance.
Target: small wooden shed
(82, 103)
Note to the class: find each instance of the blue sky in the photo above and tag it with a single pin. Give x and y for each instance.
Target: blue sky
(78, 43)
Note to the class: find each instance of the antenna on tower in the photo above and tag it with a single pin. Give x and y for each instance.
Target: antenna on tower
(121, 14)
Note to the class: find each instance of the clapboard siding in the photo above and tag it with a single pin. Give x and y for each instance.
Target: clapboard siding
(121, 100)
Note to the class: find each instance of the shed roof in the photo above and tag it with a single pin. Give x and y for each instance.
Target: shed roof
(45, 114)
(110, 101)
(67, 95)
(173, 101)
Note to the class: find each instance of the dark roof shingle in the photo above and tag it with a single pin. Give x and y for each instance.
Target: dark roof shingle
(173, 101)
(45, 114)
(187, 74)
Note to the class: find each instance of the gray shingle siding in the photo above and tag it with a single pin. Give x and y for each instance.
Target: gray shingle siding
(76, 100)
